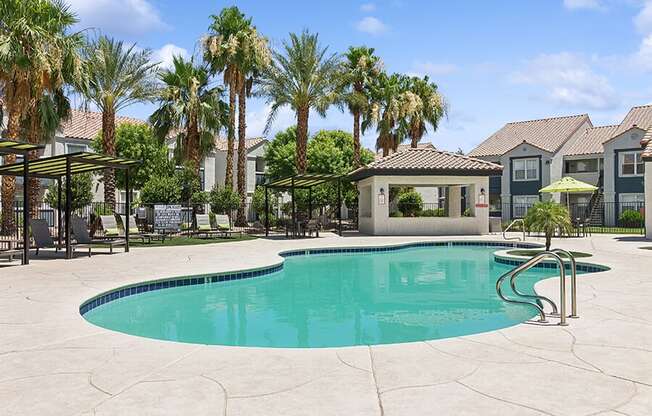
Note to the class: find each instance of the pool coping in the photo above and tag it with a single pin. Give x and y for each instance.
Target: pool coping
(500, 256)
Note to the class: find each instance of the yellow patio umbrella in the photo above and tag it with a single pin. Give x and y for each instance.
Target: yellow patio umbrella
(569, 185)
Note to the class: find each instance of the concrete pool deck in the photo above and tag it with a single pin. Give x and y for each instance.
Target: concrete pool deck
(53, 362)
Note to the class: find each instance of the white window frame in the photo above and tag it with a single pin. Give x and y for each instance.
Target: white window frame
(637, 201)
(68, 145)
(519, 209)
(621, 163)
(525, 161)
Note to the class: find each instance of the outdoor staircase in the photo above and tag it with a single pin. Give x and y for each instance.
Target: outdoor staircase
(596, 210)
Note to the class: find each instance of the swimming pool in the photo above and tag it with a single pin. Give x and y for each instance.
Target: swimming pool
(326, 300)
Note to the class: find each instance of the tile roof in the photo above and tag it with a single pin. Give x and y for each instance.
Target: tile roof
(406, 146)
(590, 142)
(86, 124)
(640, 116)
(548, 134)
(426, 161)
(646, 144)
(221, 144)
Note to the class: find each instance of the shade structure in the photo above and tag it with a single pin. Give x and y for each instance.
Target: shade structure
(569, 185)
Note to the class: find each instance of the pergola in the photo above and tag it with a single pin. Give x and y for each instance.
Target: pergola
(64, 166)
(11, 147)
(304, 181)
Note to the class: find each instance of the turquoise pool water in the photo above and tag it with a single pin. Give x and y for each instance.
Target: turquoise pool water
(332, 300)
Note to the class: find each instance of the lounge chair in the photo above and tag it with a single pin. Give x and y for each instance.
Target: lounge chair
(134, 232)
(109, 226)
(223, 225)
(204, 227)
(84, 240)
(41, 235)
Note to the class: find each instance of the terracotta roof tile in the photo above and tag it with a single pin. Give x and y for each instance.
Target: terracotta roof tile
(548, 134)
(590, 142)
(646, 144)
(221, 144)
(86, 124)
(428, 162)
(640, 116)
(403, 147)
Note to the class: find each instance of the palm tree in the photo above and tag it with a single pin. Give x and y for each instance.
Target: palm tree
(222, 52)
(428, 107)
(303, 78)
(548, 217)
(193, 109)
(119, 75)
(388, 111)
(36, 54)
(359, 69)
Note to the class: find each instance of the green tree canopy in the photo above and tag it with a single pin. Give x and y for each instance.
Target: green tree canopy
(136, 141)
(82, 192)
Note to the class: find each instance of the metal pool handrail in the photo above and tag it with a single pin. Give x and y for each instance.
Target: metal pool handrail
(573, 280)
(516, 221)
(526, 266)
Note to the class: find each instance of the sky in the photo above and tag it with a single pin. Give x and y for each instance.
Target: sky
(494, 61)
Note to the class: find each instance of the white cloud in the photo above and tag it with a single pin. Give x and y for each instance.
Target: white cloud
(368, 7)
(257, 117)
(643, 19)
(583, 4)
(130, 17)
(165, 54)
(421, 68)
(568, 80)
(371, 25)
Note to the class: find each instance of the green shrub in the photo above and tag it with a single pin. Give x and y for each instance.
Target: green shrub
(631, 218)
(396, 214)
(410, 203)
(467, 212)
(82, 192)
(224, 200)
(438, 212)
(161, 190)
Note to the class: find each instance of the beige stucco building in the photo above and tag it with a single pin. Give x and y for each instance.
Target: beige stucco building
(462, 209)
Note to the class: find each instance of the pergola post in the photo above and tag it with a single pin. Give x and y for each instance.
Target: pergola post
(26, 209)
(59, 229)
(339, 206)
(68, 205)
(266, 211)
(294, 213)
(310, 203)
(127, 209)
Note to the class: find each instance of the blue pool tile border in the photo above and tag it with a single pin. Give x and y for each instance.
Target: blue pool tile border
(581, 267)
(247, 274)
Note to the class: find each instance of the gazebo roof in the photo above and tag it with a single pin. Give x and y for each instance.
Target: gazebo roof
(55, 166)
(426, 162)
(17, 148)
(303, 181)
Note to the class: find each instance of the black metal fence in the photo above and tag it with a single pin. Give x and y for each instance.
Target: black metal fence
(601, 217)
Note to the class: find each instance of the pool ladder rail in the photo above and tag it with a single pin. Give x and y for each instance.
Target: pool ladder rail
(536, 300)
(511, 224)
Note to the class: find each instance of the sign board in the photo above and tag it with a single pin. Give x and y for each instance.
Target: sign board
(167, 218)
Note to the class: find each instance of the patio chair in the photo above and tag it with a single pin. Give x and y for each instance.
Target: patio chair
(204, 227)
(223, 225)
(41, 235)
(84, 240)
(109, 226)
(134, 232)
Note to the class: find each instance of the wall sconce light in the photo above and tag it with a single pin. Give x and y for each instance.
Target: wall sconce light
(381, 197)
(482, 199)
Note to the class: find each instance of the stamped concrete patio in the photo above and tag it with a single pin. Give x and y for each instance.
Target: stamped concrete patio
(53, 362)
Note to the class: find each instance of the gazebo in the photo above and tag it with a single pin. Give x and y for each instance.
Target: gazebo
(64, 166)
(304, 181)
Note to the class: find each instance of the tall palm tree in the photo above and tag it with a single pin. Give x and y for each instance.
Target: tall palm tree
(428, 108)
(359, 69)
(119, 75)
(35, 53)
(192, 108)
(388, 111)
(303, 77)
(223, 53)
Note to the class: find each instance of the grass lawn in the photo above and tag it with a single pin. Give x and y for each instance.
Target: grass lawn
(186, 241)
(532, 253)
(614, 230)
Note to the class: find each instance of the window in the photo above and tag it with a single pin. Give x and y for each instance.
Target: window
(582, 166)
(525, 169)
(631, 164)
(75, 148)
(631, 201)
(521, 203)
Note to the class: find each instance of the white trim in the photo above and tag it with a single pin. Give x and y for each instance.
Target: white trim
(67, 145)
(621, 160)
(526, 177)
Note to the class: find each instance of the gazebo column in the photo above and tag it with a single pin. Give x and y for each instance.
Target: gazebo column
(454, 201)
(26, 209)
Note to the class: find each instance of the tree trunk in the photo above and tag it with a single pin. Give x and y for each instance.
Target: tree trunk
(192, 145)
(9, 182)
(302, 138)
(34, 184)
(228, 174)
(241, 220)
(356, 139)
(108, 147)
(548, 241)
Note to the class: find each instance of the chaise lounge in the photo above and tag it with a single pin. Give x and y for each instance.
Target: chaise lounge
(84, 240)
